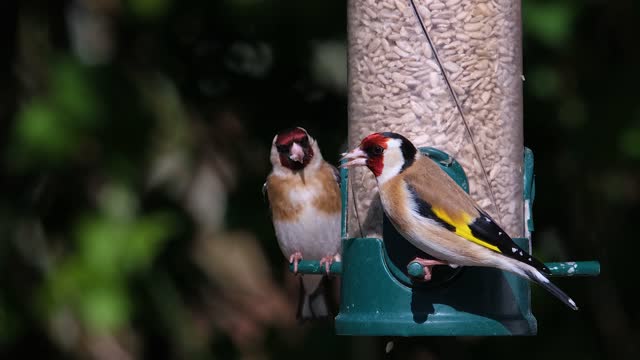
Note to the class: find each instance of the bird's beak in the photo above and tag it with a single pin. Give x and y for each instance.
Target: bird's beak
(356, 157)
(296, 153)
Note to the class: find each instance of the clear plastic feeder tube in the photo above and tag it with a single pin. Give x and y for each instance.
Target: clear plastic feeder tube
(472, 68)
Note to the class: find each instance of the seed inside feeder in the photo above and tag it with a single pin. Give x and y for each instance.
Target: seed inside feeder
(396, 84)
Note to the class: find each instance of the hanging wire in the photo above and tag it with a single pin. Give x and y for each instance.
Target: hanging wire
(355, 204)
(458, 106)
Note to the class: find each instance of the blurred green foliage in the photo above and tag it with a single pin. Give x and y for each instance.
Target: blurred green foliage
(123, 168)
(630, 142)
(51, 128)
(110, 248)
(148, 8)
(550, 22)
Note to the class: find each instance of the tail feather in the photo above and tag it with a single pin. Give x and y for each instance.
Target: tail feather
(314, 301)
(542, 280)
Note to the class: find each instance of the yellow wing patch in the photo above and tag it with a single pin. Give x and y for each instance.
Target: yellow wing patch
(462, 227)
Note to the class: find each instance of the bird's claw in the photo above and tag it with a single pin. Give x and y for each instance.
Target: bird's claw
(427, 264)
(326, 261)
(295, 259)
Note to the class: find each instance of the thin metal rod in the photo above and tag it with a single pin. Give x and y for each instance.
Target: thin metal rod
(459, 107)
(355, 205)
(565, 269)
(314, 267)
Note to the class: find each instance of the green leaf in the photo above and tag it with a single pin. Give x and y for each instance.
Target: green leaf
(50, 129)
(145, 239)
(105, 307)
(148, 8)
(93, 279)
(117, 201)
(110, 246)
(101, 241)
(73, 92)
(630, 142)
(549, 22)
(40, 132)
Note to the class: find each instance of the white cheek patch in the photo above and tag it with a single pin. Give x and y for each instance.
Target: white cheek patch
(393, 161)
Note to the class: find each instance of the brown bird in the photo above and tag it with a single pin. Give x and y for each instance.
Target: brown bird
(434, 214)
(305, 201)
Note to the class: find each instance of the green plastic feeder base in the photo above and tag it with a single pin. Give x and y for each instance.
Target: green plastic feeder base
(382, 305)
(471, 304)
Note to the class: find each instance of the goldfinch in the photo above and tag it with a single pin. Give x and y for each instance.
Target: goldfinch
(305, 202)
(434, 214)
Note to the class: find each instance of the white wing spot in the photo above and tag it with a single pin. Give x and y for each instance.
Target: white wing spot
(486, 218)
(514, 249)
(529, 259)
(388, 347)
(521, 253)
(499, 232)
(572, 302)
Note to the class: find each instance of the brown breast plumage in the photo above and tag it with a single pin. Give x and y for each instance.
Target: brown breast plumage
(320, 184)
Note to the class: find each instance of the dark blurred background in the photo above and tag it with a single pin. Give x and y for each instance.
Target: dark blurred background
(134, 144)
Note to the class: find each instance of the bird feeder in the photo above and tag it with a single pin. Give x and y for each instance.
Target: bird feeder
(380, 296)
(447, 74)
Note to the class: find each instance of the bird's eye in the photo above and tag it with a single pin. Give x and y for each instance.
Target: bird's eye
(377, 150)
(282, 148)
(304, 142)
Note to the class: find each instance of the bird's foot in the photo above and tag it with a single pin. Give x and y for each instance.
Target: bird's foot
(427, 264)
(295, 259)
(327, 261)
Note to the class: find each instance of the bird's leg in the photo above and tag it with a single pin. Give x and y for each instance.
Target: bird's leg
(427, 264)
(295, 258)
(327, 261)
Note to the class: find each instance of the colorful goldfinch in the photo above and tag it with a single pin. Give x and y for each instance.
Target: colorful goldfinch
(433, 213)
(304, 197)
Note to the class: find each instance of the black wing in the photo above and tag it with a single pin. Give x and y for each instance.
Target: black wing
(336, 174)
(265, 196)
(486, 229)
